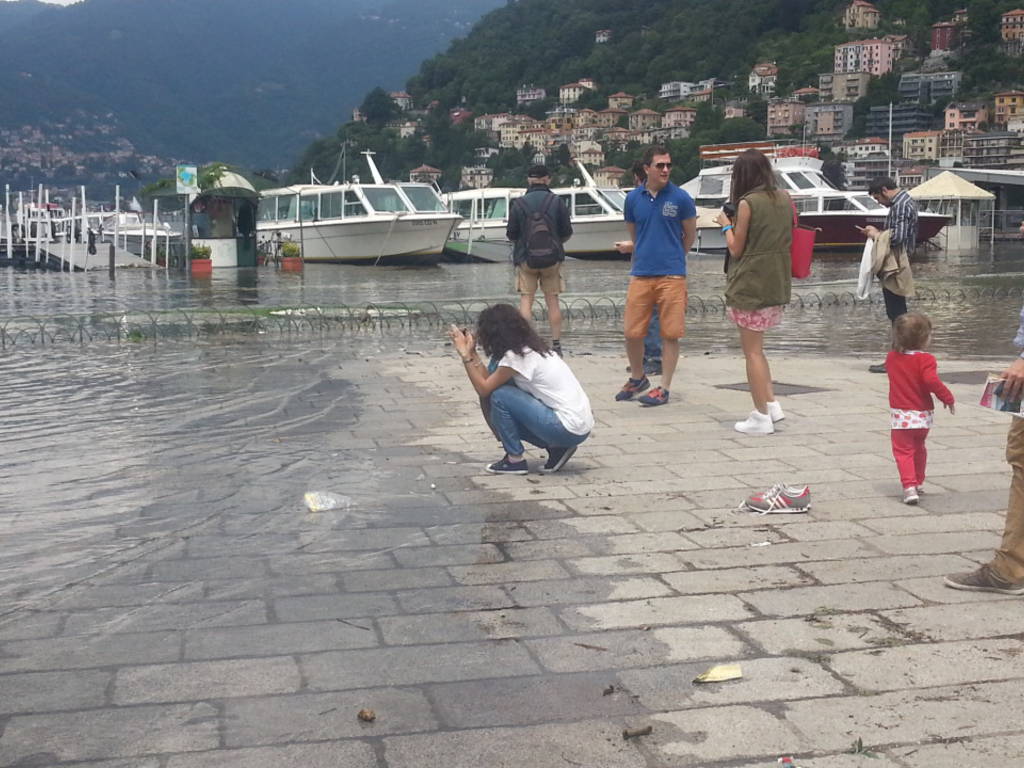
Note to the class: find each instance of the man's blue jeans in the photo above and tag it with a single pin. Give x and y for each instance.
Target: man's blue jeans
(516, 415)
(652, 341)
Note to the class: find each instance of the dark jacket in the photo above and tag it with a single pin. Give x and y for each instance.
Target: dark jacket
(558, 220)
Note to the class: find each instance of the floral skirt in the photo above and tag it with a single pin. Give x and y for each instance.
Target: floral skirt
(756, 319)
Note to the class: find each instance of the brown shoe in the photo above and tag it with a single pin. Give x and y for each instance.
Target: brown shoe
(983, 580)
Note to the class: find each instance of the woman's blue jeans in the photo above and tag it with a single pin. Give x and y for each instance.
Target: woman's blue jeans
(516, 415)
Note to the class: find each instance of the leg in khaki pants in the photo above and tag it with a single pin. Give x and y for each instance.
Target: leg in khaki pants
(1009, 560)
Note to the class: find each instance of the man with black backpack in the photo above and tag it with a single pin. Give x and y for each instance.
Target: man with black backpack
(538, 225)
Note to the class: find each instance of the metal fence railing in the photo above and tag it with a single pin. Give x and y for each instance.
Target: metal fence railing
(136, 326)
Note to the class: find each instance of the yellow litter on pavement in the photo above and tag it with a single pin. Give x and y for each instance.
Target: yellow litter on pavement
(720, 673)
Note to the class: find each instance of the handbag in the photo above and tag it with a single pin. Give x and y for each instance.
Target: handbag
(802, 248)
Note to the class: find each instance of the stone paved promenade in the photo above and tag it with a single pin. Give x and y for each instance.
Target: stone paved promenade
(525, 622)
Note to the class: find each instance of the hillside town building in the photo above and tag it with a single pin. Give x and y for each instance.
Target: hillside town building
(528, 93)
(966, 117)
(929, 87)
(1009, 104)
(763, 78)
(784, 114)
(621, 100)
(921, 145)
(828, 122)
(875, 56)
(860, 14)
(843, 86)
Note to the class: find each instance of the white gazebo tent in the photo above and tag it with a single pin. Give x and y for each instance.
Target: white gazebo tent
(959, 199)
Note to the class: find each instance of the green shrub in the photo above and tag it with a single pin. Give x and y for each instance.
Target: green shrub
(290, 249)
(201, 251)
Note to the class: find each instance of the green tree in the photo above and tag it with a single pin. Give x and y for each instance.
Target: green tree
(378, 108)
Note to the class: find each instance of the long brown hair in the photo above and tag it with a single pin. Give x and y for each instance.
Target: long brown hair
(750, 171)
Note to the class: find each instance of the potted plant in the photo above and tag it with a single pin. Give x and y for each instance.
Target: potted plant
(202, 264)
(291, 256)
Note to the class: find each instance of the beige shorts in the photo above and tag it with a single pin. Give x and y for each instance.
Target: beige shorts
(549, 279)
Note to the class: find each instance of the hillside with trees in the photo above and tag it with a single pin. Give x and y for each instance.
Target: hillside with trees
(655, 41)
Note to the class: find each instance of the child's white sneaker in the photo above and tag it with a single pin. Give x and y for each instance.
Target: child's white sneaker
(756, 423)
(775, 411)
(910, 495)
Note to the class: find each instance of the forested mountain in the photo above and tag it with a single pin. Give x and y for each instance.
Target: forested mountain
(13, 14)
(653, 41)
(245, 81)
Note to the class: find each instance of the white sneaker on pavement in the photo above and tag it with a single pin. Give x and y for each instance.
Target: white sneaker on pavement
(775, 411)
(756, 423)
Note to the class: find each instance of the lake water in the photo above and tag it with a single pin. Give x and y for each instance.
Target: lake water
(973, 300)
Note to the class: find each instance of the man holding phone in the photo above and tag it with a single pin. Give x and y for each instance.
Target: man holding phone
(1005, 573)
(901, 224)
(662, 223)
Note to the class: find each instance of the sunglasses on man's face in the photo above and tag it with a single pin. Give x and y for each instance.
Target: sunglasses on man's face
(662, 166)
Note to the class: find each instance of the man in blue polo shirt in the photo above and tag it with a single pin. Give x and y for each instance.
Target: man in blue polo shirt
(662, 223)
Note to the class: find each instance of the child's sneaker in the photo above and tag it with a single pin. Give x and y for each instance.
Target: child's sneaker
(910, 495)
(657, 396)
(780, 499)
(632, 388)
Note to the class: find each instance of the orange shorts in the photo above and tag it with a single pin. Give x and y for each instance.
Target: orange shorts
(668, 294)
(549, 279)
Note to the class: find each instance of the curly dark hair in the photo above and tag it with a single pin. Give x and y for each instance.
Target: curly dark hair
(501, 328)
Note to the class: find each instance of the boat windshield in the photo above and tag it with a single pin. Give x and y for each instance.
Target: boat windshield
(338, 205)
(616, 197)
(464, 208)
(799, 181)
(495, 208)
(868, 203)
(424, 199)
(267, 209)
(385, 199)
(587, 205)
(711, 187)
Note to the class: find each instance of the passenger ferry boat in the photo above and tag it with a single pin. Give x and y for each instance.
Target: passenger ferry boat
(834, 213)
(595, 212)
(354, 223)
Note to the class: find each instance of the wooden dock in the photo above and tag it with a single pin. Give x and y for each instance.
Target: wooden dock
(63, 257)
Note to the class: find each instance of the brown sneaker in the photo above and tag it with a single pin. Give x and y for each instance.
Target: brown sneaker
(983, 580)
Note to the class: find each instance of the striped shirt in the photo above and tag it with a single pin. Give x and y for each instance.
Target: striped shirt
(1018, 340)
(901, 221)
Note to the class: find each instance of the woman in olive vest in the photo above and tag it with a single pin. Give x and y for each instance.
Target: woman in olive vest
(758, 237)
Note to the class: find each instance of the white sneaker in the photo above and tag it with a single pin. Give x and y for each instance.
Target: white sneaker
(756, 423)
(910, 495)
(775, 411)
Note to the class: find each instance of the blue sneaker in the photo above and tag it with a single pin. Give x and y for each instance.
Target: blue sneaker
(632, 388)
(657, 396)
(506, 467)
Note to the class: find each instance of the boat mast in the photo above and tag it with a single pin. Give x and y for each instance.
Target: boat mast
(377, 179)
(587, 178)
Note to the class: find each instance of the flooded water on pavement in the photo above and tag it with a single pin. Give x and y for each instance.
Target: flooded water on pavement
(107, 447)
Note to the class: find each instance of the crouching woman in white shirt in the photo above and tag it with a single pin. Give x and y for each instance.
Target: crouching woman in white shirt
(528, 392)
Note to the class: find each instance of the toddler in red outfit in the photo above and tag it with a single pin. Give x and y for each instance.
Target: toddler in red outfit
(913, 379)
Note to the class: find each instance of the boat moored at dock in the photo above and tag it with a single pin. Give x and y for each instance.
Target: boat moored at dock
(355, 223)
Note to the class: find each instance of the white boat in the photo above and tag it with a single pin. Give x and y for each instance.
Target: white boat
(134, 231)
(595, 213)
(355, 223)
(834, 213)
